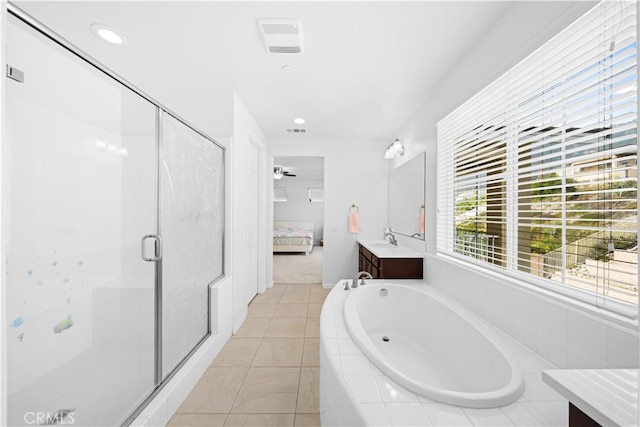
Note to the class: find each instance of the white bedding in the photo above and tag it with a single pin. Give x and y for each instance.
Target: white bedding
(292, 236)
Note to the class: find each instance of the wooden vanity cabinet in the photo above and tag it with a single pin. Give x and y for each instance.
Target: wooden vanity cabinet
(389, 268)
(577, 418)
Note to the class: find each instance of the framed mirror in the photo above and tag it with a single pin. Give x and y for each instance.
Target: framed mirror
(406, 198)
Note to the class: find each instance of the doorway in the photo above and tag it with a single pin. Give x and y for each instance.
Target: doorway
(298, 215)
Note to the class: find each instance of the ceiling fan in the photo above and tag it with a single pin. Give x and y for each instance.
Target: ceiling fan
(279, 172)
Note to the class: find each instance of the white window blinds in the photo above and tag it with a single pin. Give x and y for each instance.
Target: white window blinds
(537, 174)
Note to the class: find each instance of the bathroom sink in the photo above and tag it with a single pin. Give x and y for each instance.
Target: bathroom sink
(383, 245)
(382, 249)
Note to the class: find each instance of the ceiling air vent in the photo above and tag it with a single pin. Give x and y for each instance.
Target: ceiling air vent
(296, 130)
(281, 35)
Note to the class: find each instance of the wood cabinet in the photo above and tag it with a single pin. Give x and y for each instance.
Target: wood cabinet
(389, 268)
(577, 418)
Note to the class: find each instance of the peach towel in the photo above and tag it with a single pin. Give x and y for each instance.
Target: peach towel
(353, 222)
(421, 223)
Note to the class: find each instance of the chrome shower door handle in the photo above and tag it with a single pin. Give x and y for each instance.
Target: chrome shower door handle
(157, 247)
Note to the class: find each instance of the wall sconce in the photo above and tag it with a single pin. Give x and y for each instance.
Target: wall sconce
(278, 172)
(394, 149)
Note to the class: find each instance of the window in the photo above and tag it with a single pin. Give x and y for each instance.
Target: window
(316, 195)
(537, 174)
(280, 194)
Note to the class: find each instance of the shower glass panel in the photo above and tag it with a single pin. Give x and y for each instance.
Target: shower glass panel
(81, 173)
(192, 227)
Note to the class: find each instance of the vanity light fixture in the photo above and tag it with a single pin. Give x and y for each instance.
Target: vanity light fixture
(107, 34)
(396, 148)
(299, 121)
(388, 154)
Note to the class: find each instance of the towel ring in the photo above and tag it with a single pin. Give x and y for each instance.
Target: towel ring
(352, 207)
(421, 209)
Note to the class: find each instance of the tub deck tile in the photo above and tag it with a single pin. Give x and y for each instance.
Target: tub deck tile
(526, 414)
(363, 388)
(492, 417)
(394, 393)
(376, 414)
(407, 414)
(445, 415)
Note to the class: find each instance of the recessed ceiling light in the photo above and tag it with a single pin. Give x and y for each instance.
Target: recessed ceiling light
(299, 121)
(286, 67)
(107, 34)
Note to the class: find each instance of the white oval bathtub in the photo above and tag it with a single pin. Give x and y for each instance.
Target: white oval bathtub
(431, 346)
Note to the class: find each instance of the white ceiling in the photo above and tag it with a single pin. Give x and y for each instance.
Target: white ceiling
(366, 69)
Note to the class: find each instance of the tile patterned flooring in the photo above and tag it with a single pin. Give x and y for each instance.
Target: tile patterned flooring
(266, 374)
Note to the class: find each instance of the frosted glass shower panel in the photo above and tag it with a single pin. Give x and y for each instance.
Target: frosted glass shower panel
(81, 181)
(192, 227)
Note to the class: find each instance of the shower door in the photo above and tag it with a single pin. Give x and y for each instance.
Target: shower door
(81, 173)
(192, 228)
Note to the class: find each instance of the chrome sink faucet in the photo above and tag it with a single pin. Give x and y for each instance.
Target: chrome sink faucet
(364, 275)
(391, 237)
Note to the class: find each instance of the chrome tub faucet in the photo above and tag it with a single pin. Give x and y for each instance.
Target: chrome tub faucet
(361, 274)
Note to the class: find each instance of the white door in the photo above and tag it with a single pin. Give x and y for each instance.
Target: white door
(253, 165)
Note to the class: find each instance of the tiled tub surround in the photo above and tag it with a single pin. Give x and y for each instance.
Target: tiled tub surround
(354, 392)
(569, 334)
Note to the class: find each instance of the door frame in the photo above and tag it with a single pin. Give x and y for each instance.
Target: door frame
(252, 141)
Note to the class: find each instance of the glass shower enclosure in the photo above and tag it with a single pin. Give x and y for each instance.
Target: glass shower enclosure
(114, 235)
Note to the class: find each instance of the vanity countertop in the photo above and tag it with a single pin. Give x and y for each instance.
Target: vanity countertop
(383, 249)
(608, 396)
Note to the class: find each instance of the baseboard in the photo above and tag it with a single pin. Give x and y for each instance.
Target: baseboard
(238, 324)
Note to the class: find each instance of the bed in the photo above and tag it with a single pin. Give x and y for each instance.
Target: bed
(292, 236)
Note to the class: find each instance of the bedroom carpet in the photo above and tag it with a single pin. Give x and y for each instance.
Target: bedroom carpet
(298, 267)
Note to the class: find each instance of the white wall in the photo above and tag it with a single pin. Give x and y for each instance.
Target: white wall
(298, 207)
(569, 335)
(354, 172)
(245, 127)
(3, 291)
